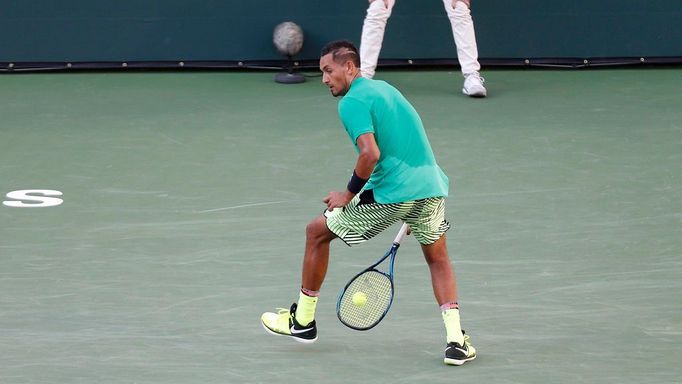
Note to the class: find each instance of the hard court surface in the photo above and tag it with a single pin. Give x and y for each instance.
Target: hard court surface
(186, 197)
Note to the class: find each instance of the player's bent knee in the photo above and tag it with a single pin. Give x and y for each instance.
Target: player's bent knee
(317, 230)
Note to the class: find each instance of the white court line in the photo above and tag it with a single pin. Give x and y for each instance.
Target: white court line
(239, 206)
(506, 193)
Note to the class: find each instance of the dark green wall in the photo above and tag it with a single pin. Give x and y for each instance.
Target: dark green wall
(170, 30)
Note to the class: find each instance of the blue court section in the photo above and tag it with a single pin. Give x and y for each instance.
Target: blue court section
(186, 196)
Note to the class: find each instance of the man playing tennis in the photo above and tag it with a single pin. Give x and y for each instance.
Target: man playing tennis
(396, 178)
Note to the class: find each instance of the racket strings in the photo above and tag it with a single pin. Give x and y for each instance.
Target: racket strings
(379, 290)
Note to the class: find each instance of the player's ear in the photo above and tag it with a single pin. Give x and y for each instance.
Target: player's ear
(350, 67)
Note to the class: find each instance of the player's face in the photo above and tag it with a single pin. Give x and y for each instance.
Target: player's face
(335, 75)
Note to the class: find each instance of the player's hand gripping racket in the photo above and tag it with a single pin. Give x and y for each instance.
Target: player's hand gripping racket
(368, 296)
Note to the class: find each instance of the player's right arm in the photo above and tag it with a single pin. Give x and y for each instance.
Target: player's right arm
(368, 156)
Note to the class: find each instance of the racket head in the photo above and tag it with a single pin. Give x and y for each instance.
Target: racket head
(378, 287)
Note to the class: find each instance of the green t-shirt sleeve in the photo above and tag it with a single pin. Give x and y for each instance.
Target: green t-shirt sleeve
(355, 117)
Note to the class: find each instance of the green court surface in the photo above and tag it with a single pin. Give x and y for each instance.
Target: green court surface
(186, 197)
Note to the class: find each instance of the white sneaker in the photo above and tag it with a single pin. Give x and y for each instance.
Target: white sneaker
(473, 85)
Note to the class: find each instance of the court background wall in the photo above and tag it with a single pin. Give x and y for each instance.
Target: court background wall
(213, 30)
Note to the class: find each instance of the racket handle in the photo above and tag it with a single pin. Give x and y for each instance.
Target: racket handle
(401, 234)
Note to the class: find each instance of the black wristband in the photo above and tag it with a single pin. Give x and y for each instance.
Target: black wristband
(356, 183)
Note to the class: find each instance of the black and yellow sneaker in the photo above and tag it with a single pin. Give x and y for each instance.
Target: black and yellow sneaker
(283, 323)
(456, 354)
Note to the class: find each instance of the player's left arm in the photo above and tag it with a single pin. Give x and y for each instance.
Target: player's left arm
(368, 157)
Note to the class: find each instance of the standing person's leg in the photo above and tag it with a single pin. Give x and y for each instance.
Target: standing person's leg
(372, 38)
(464, 35)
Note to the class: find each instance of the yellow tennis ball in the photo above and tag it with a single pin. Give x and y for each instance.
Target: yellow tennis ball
(359, 299)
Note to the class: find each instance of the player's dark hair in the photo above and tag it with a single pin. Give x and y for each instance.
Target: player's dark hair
(342, 51)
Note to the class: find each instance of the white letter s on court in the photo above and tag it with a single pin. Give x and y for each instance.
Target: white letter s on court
(28, 195)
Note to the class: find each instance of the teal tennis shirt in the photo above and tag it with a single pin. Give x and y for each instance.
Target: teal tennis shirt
(407, 169)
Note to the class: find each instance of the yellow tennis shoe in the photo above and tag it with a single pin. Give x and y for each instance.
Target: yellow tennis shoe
(283, 323)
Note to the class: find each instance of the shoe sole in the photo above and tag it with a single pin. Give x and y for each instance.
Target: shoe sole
(457, 362)
(480, 94)
(300, 340)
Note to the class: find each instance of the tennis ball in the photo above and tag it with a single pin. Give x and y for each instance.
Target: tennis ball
(359, 299)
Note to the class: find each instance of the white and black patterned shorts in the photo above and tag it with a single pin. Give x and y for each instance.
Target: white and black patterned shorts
(363, 218)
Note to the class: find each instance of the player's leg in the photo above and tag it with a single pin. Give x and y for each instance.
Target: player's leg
(459, 349)
(428, 224)
(299, 321)
(467, 51)
(315, 262)
(442, 274)
(316, 256)
(359, 221)
(372, 37)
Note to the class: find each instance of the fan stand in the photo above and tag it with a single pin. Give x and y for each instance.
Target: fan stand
(289, 76)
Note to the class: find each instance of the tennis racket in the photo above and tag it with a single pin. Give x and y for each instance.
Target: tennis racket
(368, 296)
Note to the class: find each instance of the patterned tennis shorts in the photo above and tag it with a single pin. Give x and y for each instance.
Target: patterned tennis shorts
(363, 218)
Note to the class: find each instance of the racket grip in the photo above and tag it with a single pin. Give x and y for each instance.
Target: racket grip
(401, 234)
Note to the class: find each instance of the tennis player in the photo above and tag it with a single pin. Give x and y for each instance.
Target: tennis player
(396, 178)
